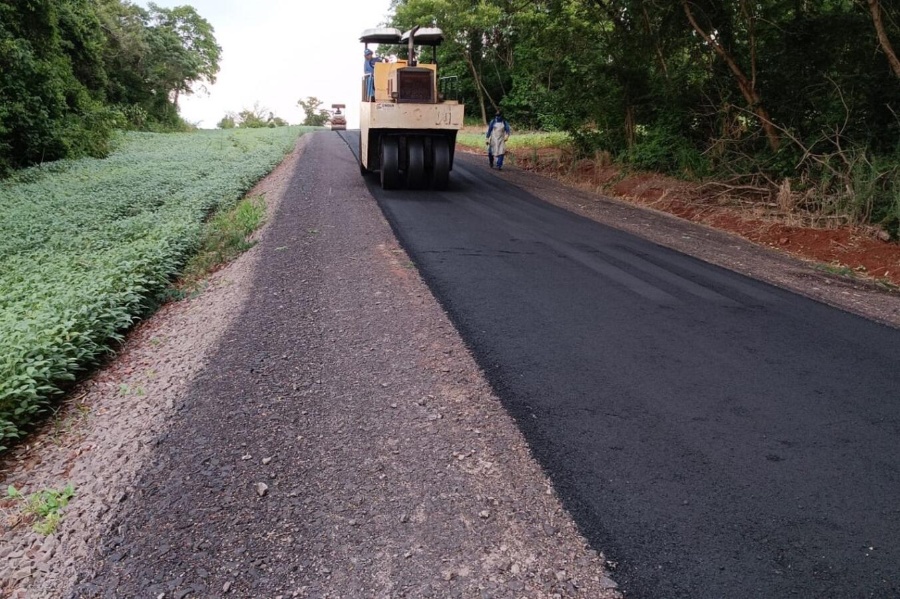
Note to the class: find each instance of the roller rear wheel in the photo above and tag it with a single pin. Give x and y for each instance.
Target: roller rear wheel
(390, 163)
(440, 174)
(415, 170)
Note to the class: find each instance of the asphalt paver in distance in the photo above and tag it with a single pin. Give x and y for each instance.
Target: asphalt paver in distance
(714, 435)
(341, 441)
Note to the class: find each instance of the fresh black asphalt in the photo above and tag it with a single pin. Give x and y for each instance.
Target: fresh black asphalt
(713, 435)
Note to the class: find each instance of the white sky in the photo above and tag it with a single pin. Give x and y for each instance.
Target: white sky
(276, 52)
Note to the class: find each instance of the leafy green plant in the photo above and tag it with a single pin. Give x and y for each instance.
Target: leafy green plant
(88, 246)
(661, 148)
(45, 506)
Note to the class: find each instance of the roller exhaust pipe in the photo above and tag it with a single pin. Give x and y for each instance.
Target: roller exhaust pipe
(412, 47)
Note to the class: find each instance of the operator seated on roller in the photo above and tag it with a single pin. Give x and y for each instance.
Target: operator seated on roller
(369, 70)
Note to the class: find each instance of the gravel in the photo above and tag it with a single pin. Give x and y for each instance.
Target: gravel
(310, 426)
(111, 423)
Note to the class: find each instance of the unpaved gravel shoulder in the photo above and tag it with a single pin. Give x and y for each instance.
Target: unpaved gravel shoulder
(109, 424)
(717, 247)
(324, 433)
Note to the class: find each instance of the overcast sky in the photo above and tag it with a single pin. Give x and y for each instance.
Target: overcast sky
(277, 51)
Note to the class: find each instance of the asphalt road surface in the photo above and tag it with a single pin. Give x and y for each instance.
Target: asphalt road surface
(713, 435)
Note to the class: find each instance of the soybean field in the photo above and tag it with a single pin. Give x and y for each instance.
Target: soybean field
(88, 246)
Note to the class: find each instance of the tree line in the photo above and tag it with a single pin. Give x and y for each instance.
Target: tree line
(768, 91)
(260, 117)
(73, 71)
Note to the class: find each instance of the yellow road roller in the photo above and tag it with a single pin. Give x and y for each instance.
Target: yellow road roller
(338, 121)
(408, 116)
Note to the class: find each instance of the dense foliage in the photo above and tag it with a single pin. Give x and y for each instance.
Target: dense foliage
(87, 246)
(72, 71)
(316, 116)
(807, 90)
(251, 118)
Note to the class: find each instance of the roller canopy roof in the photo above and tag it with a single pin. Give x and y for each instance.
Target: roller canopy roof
(425, 36)
(380, 35)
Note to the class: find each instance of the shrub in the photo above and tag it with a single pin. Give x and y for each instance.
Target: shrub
(661, 148)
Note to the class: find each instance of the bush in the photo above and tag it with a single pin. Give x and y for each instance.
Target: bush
(587, 141)
(659, 148)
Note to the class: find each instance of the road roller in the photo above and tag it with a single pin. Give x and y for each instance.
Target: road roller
(408, 116)
(337, 121)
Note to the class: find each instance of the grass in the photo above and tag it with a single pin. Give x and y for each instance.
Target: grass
(89, 246)
(226, 235)
(841, 270)
(44, 506)
(518, 140)
(838, 270)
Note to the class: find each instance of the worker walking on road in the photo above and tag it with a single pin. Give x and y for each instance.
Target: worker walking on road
(497, 134)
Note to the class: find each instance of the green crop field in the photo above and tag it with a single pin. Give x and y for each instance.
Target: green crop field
(87, 246)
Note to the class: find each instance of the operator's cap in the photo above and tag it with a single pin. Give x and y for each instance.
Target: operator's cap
(368, 52)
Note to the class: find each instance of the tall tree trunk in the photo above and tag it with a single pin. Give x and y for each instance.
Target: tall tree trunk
(875, 9)
(630, 125)
(649, 31)
(472, 50)
(478, 87)
(746, 85)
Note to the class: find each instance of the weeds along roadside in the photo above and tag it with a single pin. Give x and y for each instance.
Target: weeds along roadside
(89, 246)
(226, 235)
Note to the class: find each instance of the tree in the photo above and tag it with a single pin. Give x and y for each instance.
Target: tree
(126, 55)
(315, 116)
(468, 26)
(184, 48)
(747, 84)
(153, 57)
(883, 39)
(252, 118)
(229, 121)
(71, 71)
(51, 80)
